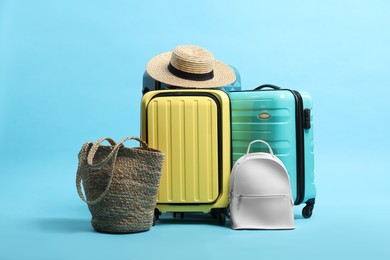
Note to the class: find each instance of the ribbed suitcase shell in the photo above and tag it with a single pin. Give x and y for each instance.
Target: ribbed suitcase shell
(271, 115)
(192, 128)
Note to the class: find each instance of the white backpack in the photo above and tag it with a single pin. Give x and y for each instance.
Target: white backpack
(260, 193)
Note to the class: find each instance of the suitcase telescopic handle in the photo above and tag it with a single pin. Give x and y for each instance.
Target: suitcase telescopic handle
(267, 86)
(260, 141)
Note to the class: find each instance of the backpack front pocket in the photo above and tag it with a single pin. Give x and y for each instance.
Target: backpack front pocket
(264, 211)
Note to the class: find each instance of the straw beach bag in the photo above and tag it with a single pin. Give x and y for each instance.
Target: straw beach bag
(120, 184)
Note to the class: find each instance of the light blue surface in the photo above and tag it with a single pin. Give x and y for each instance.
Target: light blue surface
(71, 71)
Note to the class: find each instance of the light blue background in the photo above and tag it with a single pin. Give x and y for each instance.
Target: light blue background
(71, 72)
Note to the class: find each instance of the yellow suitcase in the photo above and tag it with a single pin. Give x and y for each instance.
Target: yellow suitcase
(192, 128)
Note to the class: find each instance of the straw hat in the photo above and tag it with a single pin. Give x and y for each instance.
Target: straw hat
(190, 66)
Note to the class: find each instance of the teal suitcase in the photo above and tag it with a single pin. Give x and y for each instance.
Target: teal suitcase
(283, 118)
(148, 83)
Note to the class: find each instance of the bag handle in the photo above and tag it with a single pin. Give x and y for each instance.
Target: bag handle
(112, 155)
(233, 176)
(267, 86)
(260, 141)
(96, 145)
(94, 148)
(142, 142)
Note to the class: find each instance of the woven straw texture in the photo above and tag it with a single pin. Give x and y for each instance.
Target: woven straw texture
(192, 59)
(120, 185)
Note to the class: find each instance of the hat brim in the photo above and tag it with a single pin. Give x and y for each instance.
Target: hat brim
(157, 68)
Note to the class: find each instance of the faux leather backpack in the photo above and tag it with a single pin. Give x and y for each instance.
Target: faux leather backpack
(260, 193)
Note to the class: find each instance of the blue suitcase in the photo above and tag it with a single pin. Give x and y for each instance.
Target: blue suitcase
(149, 83)
(283, 118)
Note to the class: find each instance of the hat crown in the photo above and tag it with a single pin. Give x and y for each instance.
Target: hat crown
(192, 59)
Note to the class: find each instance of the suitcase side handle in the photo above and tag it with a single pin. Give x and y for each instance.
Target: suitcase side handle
(267, 86)
(260, 141)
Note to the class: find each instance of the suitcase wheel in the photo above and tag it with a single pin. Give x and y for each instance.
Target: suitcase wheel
(156, 216)
(181, 214)
(221, 218)
(307, 211)
(219, 215)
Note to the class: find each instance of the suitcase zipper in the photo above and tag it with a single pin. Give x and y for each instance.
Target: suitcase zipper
(265, 196)
(300, 149)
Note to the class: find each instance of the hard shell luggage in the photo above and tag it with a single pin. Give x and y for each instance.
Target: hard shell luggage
(192, 128)
(260, 192)
(284, 119)
(149, 83)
